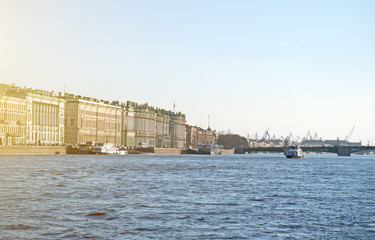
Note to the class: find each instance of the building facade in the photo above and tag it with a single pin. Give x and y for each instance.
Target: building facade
(12, 120)
(196, 136)
(38, 117)
(128, 127)
(178, 130)
(163, 136)
(154, 127)
(92, 120)
(44, 115)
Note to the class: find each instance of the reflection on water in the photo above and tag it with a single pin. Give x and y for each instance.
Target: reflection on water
(187, 197)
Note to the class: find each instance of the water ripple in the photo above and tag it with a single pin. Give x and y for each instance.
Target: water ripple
(187, 197)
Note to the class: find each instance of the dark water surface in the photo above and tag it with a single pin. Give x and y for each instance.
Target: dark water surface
(261, 196)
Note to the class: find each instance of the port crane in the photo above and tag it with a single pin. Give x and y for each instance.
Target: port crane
(349, 135)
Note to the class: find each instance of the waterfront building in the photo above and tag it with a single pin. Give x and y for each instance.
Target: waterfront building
(40, 117)
(44, 122)
(145, 125)
(128, 129)
(156, 127)
(178, 130)
(92, 120)
(12, 119)
(196, 136)
(163, 136)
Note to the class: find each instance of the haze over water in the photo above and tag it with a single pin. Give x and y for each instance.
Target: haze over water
(187, 197)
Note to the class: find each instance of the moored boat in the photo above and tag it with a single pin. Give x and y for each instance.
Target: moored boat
(78, 149)
(209, 149)
(109, 149)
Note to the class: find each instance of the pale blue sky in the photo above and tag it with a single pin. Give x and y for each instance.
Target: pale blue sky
(289, 65)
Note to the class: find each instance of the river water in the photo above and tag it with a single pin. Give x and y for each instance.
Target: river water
(255, 196)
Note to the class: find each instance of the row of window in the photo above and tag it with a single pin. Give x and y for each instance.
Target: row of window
(43, 107)
(16, 107)
(8, 117)
(13, 130)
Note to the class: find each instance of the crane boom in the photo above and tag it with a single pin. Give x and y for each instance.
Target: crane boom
(350, 134)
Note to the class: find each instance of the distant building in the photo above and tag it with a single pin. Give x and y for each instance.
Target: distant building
(196, 136)
(163, 136)
(341, 143)
(177, 129)
(156, 127)
(12, 119)
(312, 142)
(92, 120)
(128, 127)
(40, 117)
(44, 115)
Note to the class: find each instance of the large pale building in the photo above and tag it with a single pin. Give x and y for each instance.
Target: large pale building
(92, 120)
(154, 127)
(145, 125)
(12, 119)
(128, 127)
(42, 114)
(178, 130)
(163, 136)
(196, 135)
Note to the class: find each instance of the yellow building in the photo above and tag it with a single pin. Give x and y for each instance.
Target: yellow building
(156, 127)
(12, 120)
(128, 127)
(92, 120)
(196, 136)
(145, 125)
(43, 117)
(178, 130)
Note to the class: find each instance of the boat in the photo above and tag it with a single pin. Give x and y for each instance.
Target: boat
(294, 152)
(209, 149)
(78, 149)
(121, 150)
(109, 149)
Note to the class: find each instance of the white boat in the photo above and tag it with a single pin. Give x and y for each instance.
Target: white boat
(121, 150)
(109, 149)
(294, 152)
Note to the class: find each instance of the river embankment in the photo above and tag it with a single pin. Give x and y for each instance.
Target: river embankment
(50, 150)
(31, 150)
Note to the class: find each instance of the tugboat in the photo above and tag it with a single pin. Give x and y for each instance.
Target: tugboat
(293, 152)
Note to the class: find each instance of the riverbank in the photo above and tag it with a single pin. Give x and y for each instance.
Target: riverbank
(51, 150)
(31, 150)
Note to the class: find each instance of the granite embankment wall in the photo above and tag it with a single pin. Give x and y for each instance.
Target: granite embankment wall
(31, 150)
(227, 151)
(167, 151)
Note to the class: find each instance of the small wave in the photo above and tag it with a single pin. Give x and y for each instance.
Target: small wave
(19, 227)
(149, 217)
(257, 199)
(94, 214)
(144, 206)
(146, 229)
(111, 218)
